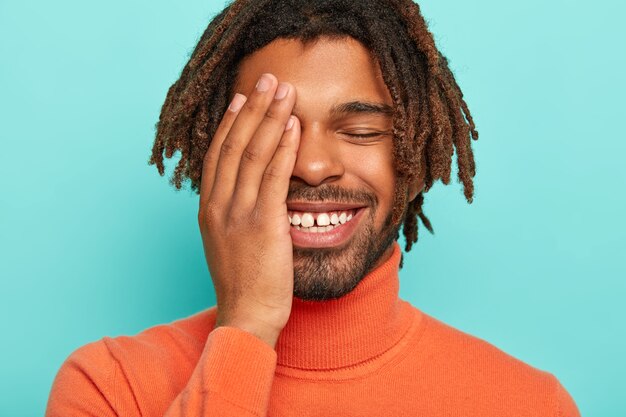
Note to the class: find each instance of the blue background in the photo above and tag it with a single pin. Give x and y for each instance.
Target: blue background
(94, 242)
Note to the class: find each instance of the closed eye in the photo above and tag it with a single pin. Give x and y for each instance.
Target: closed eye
(364, 135)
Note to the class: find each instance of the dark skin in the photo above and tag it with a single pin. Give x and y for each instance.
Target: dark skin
(254, 168)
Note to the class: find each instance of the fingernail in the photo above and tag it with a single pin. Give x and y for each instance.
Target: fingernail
(237, 103)
(290, 122)
(264, 84)
(281, 91)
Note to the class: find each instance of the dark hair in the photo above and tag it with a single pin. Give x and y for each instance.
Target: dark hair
(431, 118)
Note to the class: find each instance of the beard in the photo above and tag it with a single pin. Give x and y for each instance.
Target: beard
(327, 273)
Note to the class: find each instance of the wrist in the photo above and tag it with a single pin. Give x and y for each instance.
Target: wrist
(266, 333)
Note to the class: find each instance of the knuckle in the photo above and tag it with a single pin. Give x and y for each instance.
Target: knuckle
(272, 173)
(256, 218)
(227, 148)
(209, 158)
(251, 155)
(285, 147)
(209, 215)
(237, 220)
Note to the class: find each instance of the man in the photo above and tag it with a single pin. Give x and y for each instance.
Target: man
(311, 130)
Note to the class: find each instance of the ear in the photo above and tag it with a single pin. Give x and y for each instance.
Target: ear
(415, 187)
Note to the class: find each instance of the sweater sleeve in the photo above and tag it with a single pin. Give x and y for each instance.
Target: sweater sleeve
(233, 377)
(566, 407)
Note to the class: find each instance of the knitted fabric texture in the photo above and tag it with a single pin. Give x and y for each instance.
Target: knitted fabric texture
(367, 353)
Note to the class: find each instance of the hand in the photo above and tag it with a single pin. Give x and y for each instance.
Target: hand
(243, 210)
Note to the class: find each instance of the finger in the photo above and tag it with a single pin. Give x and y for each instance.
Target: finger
(237, 139)
(275, 185)
(261, 148)
(211, 157)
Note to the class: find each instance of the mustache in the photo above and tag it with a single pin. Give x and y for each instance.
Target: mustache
(330, 192)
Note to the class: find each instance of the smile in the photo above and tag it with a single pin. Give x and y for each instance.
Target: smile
(320, 222)
(323, 229)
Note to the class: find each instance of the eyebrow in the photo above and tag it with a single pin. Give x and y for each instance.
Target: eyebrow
(357, 107)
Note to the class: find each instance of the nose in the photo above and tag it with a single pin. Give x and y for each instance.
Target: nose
(318, 160)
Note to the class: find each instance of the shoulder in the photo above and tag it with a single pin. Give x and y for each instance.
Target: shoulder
(180, 337)
(152, 350)
(162, 354)
(474, 353)
(477, 366)
(121, 371)
(86, 376)
(93, 360)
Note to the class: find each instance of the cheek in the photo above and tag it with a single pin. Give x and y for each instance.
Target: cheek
(373, 167)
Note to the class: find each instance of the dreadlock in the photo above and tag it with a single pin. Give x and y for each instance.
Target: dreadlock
(430, 119)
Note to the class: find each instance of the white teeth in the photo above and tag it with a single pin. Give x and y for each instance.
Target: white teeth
(324, 222)
(323, 219)
(307, 220)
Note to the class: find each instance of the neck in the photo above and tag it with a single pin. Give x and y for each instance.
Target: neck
(348, 330)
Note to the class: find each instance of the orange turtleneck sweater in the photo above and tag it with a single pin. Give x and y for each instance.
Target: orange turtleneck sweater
(367, 353)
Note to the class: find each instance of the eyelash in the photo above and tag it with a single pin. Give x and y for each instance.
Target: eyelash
(364, 136)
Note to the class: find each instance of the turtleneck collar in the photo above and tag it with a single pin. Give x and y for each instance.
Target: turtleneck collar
(324, 335)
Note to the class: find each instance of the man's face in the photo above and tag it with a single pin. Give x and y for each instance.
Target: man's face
(332, 165)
